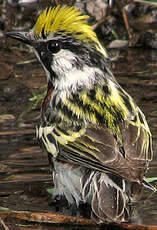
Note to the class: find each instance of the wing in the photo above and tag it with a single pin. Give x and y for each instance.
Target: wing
(97, 148)
(105, 132)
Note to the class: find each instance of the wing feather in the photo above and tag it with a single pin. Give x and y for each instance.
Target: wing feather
(98, 149)
(120, 143)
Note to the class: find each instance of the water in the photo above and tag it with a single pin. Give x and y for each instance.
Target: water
(24, 172)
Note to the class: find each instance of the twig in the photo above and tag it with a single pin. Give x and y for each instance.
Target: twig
(126, 22)
(53, 218)
(3, 224)
(46, 217)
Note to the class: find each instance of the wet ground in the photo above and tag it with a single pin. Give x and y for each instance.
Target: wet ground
(25, 176)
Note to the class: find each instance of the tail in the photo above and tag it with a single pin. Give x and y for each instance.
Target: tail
(108, 197)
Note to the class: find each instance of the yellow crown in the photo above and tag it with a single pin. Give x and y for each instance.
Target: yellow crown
(68, 20)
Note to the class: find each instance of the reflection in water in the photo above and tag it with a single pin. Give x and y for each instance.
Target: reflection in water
(24, 170)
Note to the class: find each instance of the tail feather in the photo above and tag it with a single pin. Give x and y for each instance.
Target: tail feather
(109, 201)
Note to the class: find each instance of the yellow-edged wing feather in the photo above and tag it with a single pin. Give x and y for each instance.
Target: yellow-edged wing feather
(122, 146)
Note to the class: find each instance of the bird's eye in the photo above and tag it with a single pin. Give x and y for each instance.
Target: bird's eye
(54, 47)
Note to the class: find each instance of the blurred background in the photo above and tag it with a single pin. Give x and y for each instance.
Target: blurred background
(128, 29)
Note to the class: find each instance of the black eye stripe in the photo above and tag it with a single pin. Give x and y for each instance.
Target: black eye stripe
(43, 33)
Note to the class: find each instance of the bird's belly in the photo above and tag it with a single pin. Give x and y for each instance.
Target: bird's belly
(67, 181)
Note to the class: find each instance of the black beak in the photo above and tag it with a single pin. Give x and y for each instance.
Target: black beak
(20, 36)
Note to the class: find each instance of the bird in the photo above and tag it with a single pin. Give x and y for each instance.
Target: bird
(97, 138)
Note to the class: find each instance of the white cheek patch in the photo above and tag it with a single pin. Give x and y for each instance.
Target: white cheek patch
(69, 76)
(64, 64)
(76, 78)
(63, 61)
